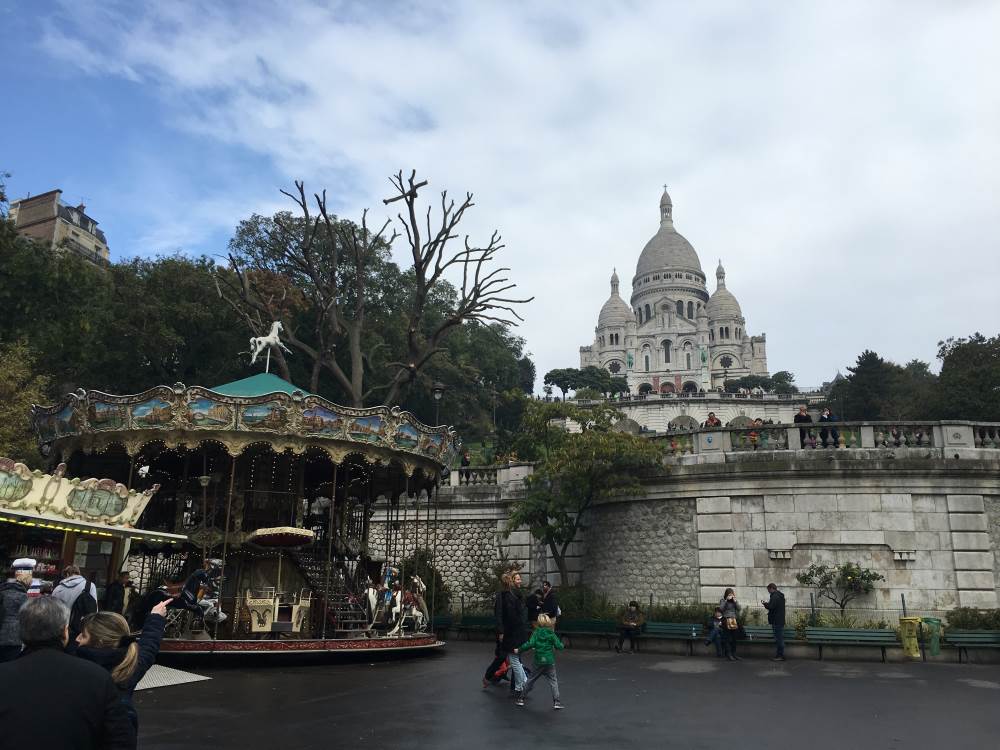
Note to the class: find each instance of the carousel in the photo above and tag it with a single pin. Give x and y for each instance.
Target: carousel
(260, 496)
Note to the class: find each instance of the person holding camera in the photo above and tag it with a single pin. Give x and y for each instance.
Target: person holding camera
(730, 609)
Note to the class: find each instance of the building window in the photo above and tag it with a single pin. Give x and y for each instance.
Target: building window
(648, 315)
(680, 308)
(645, 358)
(688, 358)
(656, 276)
(666, 352)
(691, 310)
(614, 368)
(711, 334)
(688, 276)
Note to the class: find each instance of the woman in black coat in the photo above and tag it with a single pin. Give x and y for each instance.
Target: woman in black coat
(512, 627)
(106, 640)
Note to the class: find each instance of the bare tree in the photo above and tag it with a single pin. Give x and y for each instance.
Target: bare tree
(315, 269)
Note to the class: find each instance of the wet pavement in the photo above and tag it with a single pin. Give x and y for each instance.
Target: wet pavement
(612, 701)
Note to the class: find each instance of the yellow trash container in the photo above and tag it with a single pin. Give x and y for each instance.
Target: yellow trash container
(908, 635)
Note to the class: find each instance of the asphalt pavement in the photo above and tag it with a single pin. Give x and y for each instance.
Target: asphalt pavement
(612, 701)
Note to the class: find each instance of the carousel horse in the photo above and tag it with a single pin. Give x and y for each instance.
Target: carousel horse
(420, 599)
(260, 343)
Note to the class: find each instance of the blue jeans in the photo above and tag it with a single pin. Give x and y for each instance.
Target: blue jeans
(779, 639)
(518, 670)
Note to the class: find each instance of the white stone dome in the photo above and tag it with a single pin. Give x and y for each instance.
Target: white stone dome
(667, 248)
(615, 311)
(722, 305)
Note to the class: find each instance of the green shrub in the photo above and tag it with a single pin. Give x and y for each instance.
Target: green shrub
(580, 603)
(970, 618)
(677, 612)
(805, 619)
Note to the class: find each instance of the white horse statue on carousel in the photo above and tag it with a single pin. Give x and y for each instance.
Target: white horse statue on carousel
(260, 343)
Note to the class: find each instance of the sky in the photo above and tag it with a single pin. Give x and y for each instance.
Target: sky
(842, 158)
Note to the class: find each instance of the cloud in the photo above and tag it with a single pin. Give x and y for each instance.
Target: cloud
(840, 158)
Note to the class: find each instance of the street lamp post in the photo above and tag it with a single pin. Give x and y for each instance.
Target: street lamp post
(438, 389)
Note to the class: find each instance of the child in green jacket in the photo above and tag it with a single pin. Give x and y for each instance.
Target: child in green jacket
(543, 640)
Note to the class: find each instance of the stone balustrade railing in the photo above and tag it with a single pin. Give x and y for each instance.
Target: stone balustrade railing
(939, 437)
(955, 439)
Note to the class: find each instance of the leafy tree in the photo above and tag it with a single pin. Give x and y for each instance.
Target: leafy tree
(878, 390)
(618, 385)
(841, 584)
(588, 394)
(577, 471)
(565, 379)
(329, 280)
(969, 384)
(780, 382)
(596, 378)
(783, 382)
(20, 387)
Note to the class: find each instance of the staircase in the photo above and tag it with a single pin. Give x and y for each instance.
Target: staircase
(345, 618)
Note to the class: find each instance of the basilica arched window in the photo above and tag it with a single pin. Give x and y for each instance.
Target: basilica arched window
(687, 357)
(648, 315)
(680, 308)
(646, 361)
(691, 310)
(666, 352)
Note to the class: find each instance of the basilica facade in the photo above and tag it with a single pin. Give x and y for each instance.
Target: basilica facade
(672, 336)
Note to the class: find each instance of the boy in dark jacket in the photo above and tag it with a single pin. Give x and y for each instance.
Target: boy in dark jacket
(715, 632)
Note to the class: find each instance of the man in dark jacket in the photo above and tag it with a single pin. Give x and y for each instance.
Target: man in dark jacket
(804, 434)
(775, 607)
(12, 595)
(534, 606)
(114, 597)
(512, 627)
(61, 701)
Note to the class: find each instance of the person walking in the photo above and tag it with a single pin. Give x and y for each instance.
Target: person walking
(630, 627)
(512, 628)
(543, 640)
(730, 609)
(550, 604)
(804, 433)
(827, 416)
(13, 594)
(115, 598)
(106, 640)
(55, 700)
(775, 606)
(534, 606)
(74, 591)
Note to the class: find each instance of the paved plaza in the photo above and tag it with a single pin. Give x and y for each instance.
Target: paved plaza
(643, 700)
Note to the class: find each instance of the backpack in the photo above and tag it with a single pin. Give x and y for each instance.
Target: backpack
(83, 605)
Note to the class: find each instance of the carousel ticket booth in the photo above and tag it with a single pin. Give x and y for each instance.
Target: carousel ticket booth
(276, 485)
(58, 521)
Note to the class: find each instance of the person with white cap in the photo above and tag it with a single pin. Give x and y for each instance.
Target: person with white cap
(13, 594)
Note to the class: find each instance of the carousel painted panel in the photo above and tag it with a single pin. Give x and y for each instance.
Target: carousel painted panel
(269, 415)
(318, 420)
(15, 481)
(96, 498)
(371, 429)
(152, 413)
(104, 415)
(407, 437)
(432, 444)
(56, 424)
(208, 413)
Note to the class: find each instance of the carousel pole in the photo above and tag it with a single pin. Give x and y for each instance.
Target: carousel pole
(329, 552)
(434, 556)
(225, 544)
(402, 563)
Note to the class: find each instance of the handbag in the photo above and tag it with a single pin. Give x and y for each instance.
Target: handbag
(731, 623)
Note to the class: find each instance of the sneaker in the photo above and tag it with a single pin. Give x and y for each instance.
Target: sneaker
(486, 684)
(778, 658)
(519, 701)
(556, 705)
(618, 649)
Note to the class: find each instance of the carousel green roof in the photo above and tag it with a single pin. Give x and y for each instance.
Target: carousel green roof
(259, 385)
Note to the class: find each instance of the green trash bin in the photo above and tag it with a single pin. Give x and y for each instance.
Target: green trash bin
(934, 634)
(908, 635)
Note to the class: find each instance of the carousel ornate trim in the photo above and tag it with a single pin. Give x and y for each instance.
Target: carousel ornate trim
(182, 416)
(301, 646)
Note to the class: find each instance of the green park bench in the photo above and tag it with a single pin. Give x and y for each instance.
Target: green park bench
(441, 624)
(881, 639)
(764, 634)
(606, 629)
(673, 631)
(476, 624)
(963, 640)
